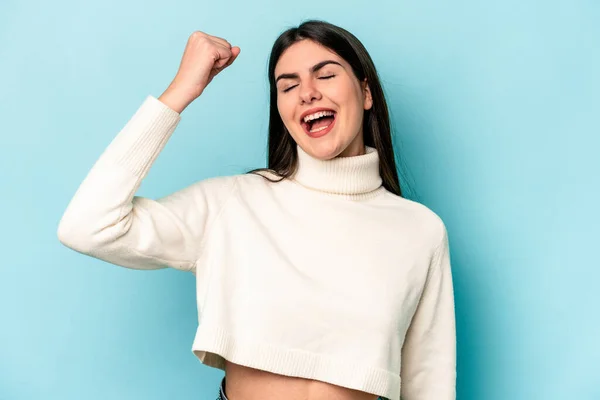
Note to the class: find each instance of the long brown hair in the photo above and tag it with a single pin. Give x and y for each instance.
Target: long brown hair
(282, 154)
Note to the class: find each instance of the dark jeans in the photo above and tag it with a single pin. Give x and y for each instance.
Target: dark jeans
(222, 396)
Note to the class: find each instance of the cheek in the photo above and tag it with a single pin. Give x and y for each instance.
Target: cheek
(336, 93)
(285, 111)
(355, 101)
(343, 95)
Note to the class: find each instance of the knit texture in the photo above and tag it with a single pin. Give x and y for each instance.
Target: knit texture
(326, 275)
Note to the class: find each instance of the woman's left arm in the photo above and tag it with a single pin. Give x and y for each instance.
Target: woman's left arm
(428, 370)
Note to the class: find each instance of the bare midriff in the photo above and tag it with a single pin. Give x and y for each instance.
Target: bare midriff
(245, 383)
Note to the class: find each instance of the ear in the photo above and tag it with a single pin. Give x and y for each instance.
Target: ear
(367, 99)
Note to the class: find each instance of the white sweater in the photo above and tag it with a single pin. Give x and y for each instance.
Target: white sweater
(326, 276)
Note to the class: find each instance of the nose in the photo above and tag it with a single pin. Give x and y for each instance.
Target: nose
(308, 93)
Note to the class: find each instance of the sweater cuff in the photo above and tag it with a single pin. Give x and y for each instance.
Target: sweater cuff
(139, 143)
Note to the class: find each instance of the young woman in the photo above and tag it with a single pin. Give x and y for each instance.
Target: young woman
(315, 278)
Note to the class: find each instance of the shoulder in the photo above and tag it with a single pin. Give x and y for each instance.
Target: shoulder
(215, 184)
(411, 209)
(257, 180)
(227, 185)
(261, 175)
(422, 220)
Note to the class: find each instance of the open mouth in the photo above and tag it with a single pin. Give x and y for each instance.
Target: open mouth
(320, 125)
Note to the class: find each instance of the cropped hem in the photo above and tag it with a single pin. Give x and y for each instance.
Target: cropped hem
(213, 345)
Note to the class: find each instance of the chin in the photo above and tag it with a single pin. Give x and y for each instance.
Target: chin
(324, 150)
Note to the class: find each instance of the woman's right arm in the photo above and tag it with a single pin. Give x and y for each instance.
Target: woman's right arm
(105, 219)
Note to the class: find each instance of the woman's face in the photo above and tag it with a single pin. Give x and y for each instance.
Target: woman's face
(310, 77)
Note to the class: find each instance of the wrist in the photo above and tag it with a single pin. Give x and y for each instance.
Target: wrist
(174, 99)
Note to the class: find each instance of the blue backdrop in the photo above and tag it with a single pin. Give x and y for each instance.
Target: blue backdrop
(495, 107)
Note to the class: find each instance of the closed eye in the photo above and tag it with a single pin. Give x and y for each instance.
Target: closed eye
(323, 77)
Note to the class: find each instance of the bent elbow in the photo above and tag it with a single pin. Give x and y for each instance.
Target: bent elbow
(73, 235)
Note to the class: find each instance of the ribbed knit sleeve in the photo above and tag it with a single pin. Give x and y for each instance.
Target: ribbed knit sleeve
(428, 370)
(105, 219)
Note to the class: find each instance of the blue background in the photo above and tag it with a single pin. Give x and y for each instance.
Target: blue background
(496, 111)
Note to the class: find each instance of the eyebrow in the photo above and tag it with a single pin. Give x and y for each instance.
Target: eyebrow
(313, 69)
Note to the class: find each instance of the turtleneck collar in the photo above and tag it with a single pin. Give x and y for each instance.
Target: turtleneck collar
(354, 177)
